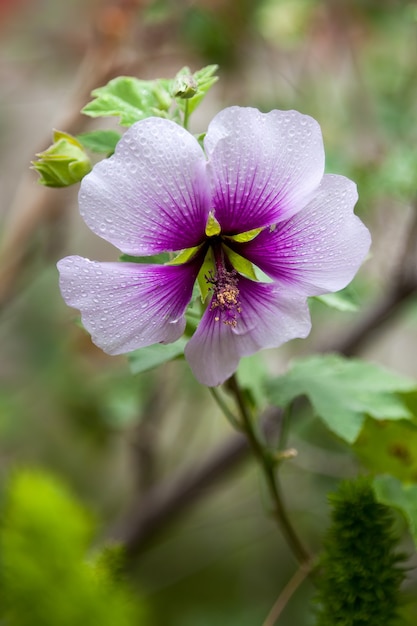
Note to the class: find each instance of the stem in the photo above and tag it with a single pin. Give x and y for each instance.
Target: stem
(287, 593)
(268, 468)
(225, 409)
(186, 115)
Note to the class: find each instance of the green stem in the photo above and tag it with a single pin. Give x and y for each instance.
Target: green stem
(225, 409)
(287, 593)
(186, 115)
(268, 468)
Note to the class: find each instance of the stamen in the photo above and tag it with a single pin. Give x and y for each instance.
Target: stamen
(225, 295)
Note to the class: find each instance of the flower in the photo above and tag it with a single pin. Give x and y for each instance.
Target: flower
(256, 196)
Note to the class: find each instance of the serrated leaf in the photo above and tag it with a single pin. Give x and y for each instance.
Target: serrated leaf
(101, 141)
(150, 357)
(343, 392)
(344, 300)
(391, 492)
(131, 99)
(389, 446)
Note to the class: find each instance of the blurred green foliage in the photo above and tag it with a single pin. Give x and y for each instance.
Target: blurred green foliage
(45, 577)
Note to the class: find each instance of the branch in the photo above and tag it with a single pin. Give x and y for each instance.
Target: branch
(165, 502)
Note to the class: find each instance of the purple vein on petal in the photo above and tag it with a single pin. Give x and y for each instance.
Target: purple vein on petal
(125, 306)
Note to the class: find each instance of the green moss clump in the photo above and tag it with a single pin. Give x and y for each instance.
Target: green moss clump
(360, 570)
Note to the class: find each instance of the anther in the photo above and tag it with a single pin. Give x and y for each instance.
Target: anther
(225, 295)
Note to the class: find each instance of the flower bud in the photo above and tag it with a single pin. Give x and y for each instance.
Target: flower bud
(185, 85)
(64, 163)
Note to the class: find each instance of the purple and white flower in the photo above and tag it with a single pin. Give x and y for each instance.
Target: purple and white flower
(256, 197)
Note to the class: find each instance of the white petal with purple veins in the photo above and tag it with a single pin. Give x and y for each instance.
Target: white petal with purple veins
(125, 306)
(263, 166)
(318, 250)
(269, 317)
(151, 196)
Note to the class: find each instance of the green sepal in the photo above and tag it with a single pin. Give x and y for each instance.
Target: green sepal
(130, 99)
(185, 255)
(213, 227)
(200, 138)
(185, 85)
(241, 265)
(208, 268)
(247, 236)
(158, 259)
(64, 163)
(101, 141)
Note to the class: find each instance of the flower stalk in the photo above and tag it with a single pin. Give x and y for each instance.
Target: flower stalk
(268, 466)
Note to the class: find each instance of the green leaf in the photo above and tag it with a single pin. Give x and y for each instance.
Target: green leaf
(390, 491)
(389, 447)
(101, 141)
(130, 99)
(344, 300)
(252, 374)
(147, 358)
(343, 392)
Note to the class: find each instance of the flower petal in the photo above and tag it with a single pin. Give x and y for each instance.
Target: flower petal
(269, 317)
(125, 306)
(264, 167)
(151, 196)
(319, 249)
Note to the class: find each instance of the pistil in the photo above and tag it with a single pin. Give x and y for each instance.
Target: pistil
(224, 286)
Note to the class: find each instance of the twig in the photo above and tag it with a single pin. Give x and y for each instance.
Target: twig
(164, 502)
(287, 593)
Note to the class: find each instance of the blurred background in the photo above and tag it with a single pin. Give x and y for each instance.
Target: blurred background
(70, 409)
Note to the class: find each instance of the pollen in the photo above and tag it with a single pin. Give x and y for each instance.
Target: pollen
(225, 299)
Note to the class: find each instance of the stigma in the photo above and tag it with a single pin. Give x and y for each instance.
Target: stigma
(225, 300)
